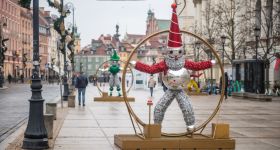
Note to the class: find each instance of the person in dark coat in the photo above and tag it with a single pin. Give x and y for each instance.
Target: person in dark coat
(163, 86)
(22, 78)
(10, 78)
(226, 85)
(81, 84)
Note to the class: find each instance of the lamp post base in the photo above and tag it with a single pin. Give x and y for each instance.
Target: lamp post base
(1, 80)
(66, 92)
(35, 143)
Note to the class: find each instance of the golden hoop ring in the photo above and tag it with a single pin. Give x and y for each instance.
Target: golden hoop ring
(97, 70)
(204, 124)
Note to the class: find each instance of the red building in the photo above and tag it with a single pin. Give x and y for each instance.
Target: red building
(10, 13)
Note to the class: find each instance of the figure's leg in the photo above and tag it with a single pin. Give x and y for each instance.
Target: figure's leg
(117, 84)
(162, 105)
(111, 90)
(151, 91)
(186, 108)
(119, 90)
(111, 84)
(79, 95)
(84, 94)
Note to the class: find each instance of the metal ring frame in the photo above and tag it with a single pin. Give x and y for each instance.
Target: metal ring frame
(96, 74)
(139, 121)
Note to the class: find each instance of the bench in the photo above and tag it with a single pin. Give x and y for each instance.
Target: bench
(51, 106)
(48, 121)
(252, 96)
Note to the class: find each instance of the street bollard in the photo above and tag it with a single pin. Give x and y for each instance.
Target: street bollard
(149, 103)
(48, 120)
(71, 100)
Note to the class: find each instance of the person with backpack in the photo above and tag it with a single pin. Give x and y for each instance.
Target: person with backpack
(81, 84)
(151, 85)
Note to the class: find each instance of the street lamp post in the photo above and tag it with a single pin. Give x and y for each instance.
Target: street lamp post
(209, 53)
(223, 39)
(3, 49)
(71, 44)
(59, 26)
(257, 32)
(197, 45)
(35, 136)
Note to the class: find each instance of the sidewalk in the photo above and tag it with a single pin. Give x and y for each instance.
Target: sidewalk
(254, 125)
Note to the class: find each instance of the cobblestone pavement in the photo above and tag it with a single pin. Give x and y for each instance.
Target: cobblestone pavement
(14, 105)
(255, 125)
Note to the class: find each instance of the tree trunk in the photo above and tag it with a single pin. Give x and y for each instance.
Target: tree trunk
(267, 66)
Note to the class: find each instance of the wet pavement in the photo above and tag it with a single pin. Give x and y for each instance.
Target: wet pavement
(14, 105)
(255, 125)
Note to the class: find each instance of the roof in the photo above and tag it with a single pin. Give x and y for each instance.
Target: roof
(163, 24)
(127, 45)
(42, 20)
(135, 36)
(155, 44)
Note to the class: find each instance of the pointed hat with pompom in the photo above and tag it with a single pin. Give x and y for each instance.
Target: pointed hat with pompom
(174, 40)
(115, 56)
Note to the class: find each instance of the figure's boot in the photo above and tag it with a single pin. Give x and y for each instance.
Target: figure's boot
(190, 130)
(111, 90)
(119, 90)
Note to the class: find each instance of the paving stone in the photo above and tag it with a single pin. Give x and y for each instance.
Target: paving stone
(80, 123)
(255, 125)
(80, 132)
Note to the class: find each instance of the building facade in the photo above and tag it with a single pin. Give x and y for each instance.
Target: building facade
(26, 39)
(89, 59)
(10, 12)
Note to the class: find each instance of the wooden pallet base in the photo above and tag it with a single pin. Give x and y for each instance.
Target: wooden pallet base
(197, 142)
(197, 94)
(112, 99)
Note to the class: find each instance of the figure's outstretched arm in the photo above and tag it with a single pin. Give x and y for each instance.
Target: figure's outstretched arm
(196, 75)
(151, 69)
(196, 66)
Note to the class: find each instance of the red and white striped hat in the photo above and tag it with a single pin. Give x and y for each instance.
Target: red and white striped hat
(174, 40)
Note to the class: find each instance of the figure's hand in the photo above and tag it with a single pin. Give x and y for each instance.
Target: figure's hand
(133, 63)
(213, 62)
(103, 70)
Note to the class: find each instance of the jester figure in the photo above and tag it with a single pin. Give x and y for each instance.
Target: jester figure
(114, 69)
(193, 84)
(175, 75)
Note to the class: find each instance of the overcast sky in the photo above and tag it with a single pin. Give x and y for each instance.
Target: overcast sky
(94, 18)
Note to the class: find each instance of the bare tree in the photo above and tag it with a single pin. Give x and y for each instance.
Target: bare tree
(231, 23)
(210, 29)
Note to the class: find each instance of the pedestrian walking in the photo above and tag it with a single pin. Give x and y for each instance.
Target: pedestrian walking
(151, 85)
(94, 80)
(57, 79)
(163, 86)
(22, 78)
(9, 78)
(127, 82)
(226, 85)
(81, 84)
